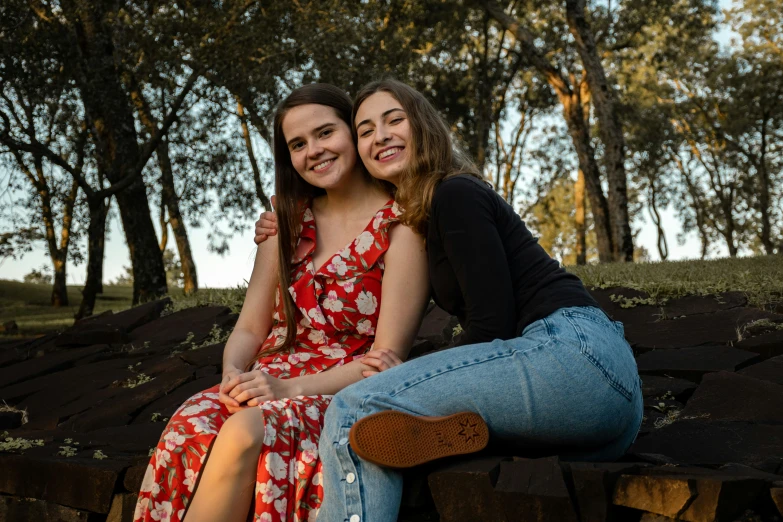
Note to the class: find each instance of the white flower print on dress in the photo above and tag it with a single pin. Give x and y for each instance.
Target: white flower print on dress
(141, 507)
(335, 351)
(269, 492)
(280, 505)
(308, 215)
(161, 511)
(316, 315)
(148, 483)
(347, 284)
(364, 327)
(190, 479)
(270, 434)
(366, 303)
(162, 455)
(279, 366)
(296, 358)
(202, 424)
(212, 396)
(195, 409)
(376, 222)
(337, 266)
(276, 466)
(317, 336)
(345, 252)
(332, 302)
(174, 439)
(395, 208)
(309, 451)
(312, 412)
(364, 242)
(312, 516)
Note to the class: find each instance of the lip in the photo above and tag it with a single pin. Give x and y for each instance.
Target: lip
(331, 160)
(389, 158)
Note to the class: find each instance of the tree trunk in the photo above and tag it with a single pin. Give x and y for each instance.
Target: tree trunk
(252, 157)
(110, 116)
(164, 225)
(96, 235)
(766, 229)
(663, 247)
(580, 136)
(579, 203)
(609, 128)
(175, 220)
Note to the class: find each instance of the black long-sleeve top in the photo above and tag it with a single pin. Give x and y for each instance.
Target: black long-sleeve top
(487, 268)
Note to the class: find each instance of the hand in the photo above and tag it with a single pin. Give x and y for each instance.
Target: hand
(380, 360)
(266, 225)
(254, 387)
(229, 375)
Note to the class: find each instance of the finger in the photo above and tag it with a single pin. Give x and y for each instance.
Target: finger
(255, 401)
(260, 239)
(249, 394)
(238, 379)
(240, 388)
(369, 373)
(274, 202)
(228, 401)
(379, 365)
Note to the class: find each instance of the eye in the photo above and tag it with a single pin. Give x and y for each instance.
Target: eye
(395, 121)
(327, 132)
(297, 145)
(365, 132)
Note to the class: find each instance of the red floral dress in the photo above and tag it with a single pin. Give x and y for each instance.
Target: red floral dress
(338, 307)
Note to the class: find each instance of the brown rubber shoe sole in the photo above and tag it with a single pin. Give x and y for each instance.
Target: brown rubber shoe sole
(400, 440)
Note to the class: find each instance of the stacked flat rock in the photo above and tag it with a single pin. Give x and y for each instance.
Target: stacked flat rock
(86, 406)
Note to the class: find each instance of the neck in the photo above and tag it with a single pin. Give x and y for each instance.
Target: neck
(356, 193)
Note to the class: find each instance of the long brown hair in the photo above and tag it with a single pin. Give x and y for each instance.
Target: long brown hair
(292, 190)
(433, 154)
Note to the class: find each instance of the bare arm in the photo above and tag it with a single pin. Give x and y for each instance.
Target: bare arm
(405, 289)
(255, 319)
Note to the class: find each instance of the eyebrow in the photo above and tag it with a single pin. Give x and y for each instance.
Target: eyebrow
(316, 130)
(382, 116)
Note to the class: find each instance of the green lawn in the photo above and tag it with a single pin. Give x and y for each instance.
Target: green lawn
(761, 278)
(28, 305)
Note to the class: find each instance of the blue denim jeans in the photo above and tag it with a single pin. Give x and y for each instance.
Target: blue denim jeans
(569, 383)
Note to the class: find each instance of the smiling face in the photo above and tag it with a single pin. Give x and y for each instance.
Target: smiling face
(383, 136)
(320, 144)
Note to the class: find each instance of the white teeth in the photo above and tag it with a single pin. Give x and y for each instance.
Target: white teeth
(389, 152)
(322, 165)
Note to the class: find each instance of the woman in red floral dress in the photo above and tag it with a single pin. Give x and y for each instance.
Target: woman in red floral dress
(253, 439)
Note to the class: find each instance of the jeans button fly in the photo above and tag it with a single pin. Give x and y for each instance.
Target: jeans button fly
(354, 518)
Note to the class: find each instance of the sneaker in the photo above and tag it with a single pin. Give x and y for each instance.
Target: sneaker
(400, 440)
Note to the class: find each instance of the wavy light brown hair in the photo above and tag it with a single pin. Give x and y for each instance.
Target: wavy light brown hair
(433, 154)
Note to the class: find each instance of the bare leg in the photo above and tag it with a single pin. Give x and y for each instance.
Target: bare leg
(227, 485)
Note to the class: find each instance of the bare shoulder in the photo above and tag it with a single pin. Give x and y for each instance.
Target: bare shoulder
(402, 238)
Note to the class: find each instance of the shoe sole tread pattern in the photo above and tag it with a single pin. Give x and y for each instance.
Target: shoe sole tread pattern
(399, 440)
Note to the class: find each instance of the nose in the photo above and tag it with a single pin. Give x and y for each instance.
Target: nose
(382, 134)
(314, 149)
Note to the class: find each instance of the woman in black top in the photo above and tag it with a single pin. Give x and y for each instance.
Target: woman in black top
(540, 363)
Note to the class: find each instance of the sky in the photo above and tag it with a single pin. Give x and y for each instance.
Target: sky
(232, 269)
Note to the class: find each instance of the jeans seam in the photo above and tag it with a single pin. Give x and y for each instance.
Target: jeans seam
(583, 350)
(430, 375)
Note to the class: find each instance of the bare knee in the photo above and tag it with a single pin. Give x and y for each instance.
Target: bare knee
(243, 433)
